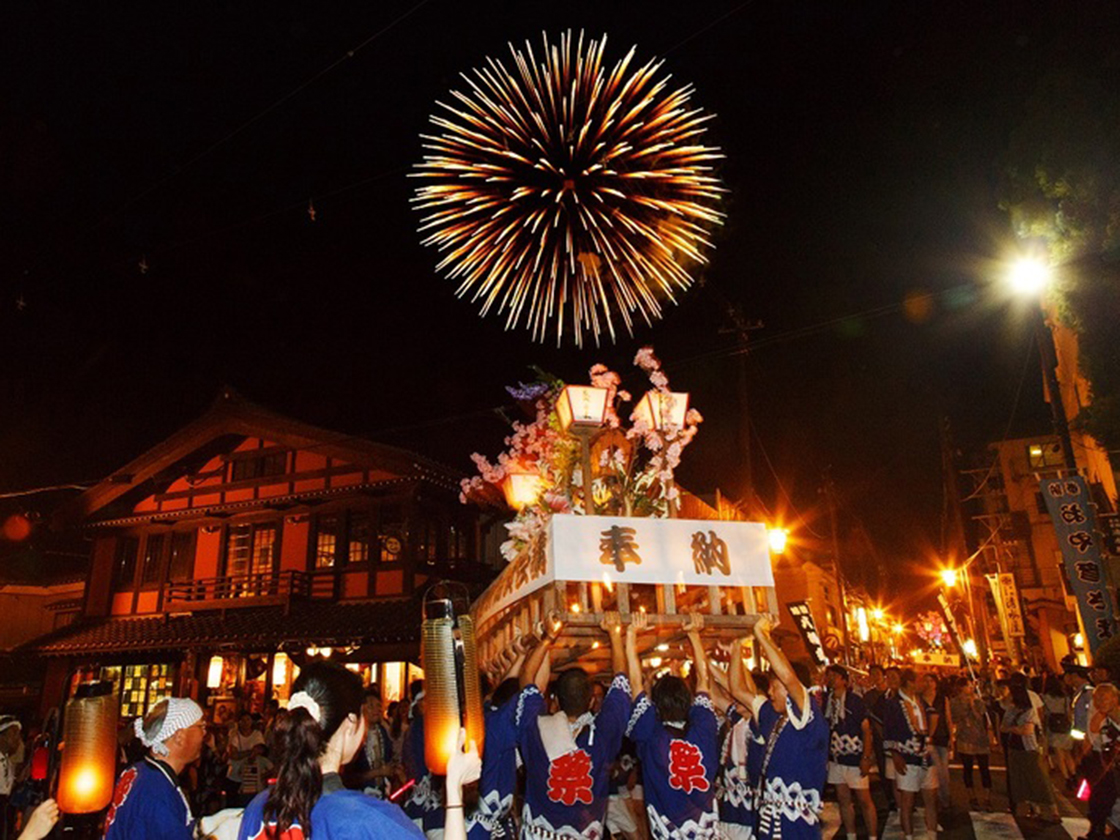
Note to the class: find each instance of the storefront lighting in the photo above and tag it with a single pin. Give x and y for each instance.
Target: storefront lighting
(861, 621)
(214, 672)
(280, 669)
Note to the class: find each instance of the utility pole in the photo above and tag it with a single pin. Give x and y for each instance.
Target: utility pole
(952, 532)
(829, 490)
(1045, 338)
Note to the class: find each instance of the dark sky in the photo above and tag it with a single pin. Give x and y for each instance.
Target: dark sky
(862, 148)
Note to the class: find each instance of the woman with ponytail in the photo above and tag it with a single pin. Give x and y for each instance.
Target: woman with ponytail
(324, 729)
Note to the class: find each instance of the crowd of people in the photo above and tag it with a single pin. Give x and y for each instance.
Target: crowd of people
(711, 750)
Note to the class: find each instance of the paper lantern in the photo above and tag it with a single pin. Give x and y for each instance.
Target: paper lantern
(89, 754)
(658, 409)
(521, 486)
(452, 694)
(582, 406)
(214, 673)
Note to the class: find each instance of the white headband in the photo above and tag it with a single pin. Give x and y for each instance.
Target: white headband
(181, 713)
(303, 700)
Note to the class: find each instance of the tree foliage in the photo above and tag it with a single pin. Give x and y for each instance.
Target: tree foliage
(1061, 185)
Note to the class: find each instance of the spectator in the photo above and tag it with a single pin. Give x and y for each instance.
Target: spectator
(969, 715)
(11, 755)
(245, 742)
(1028, 779)
(937, 716)
(1058, 724)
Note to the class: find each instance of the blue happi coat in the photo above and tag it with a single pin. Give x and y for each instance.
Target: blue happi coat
(678, 770)
(148, 804)
(567, 796)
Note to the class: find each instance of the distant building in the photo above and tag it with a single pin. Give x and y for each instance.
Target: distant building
(247, 542)
(1017, 536)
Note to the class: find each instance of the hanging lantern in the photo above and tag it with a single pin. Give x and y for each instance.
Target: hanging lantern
(214, 673)
(658, 409)
(89, 750)
(452, 694)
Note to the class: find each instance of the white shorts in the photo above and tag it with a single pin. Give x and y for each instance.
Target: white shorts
(918, 778)
(842, 774)
(620, 820)
(734, 831)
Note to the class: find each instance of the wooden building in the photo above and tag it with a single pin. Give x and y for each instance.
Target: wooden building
(246, 542)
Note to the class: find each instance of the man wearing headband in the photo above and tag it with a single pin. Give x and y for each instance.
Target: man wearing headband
(148, 802)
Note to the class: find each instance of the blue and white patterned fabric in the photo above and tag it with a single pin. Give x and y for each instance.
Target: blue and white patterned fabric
(566, 797)
(794, 773)
(679, 769)
(845, 715)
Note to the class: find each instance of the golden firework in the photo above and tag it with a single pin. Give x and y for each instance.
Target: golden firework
(566, 194)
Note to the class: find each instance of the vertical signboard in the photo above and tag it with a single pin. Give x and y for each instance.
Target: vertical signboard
(1075, 523)
(803, 618)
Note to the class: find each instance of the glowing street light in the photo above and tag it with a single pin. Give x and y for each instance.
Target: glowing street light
(949, 577)
(878, 614)
(778, 538)
(897, 629)
(1029, 276)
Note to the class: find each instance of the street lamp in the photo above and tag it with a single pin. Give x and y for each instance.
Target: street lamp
(582, 410)
(949, 577)
(778, 538)
(1029, 276)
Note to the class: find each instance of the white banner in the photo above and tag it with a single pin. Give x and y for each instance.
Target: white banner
(697, 552)
(936, 658)
(635, 550)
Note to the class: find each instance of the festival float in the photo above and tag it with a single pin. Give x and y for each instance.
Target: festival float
(601, 525)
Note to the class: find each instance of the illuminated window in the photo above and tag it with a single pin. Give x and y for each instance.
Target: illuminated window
(1044, 455)
(326, 542)
(251, 552)
(359, 536)
(140, 686)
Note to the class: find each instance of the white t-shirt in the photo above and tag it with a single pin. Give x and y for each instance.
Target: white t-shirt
(240, 743)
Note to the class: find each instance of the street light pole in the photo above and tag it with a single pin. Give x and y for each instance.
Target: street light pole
(1045, 338)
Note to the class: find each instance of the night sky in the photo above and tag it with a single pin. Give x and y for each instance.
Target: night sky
(863, 161)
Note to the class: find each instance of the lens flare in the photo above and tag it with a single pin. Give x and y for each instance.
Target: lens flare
(570, 196)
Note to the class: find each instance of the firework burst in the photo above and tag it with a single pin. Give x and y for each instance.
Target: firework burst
(569, 196)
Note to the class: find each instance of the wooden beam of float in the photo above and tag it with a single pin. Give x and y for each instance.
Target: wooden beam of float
(588, 565)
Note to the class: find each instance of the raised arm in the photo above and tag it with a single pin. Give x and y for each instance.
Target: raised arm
(549, 634)
(692, 627)
(638, 623)
(742, 684)
(782, 669)
(612, 624)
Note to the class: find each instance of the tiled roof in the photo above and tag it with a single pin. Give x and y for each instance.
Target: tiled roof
(325, 623)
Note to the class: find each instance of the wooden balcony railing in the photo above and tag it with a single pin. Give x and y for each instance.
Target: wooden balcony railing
(252, 589)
